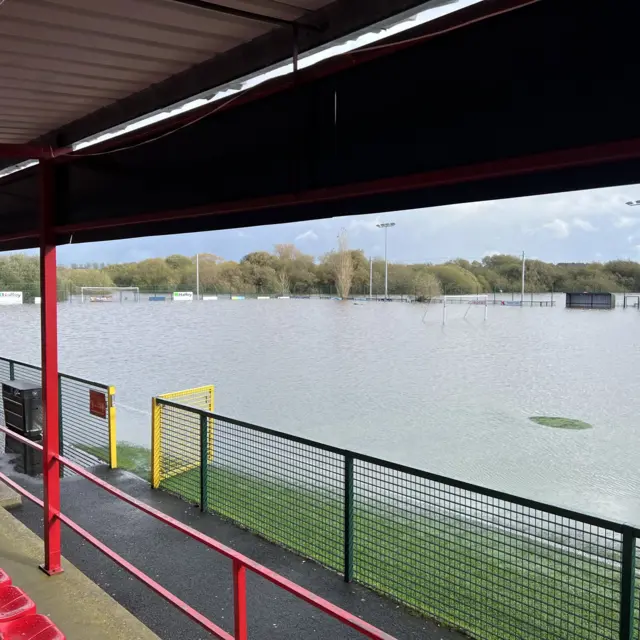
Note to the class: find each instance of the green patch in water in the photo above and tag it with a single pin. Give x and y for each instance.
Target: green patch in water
(560, 423)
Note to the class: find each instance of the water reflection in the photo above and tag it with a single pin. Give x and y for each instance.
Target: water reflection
(373, 378)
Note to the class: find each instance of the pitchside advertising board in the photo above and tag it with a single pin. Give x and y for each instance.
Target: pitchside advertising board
(10, 297)
(183, 296)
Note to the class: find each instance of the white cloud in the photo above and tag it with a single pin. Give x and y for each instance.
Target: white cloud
(367, 222)
(307, 235)
(585, 225)
(624, 222)
(490, 254)
(559, 228)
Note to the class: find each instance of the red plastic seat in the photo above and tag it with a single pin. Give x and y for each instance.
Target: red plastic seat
(5, 579)
(14, 604)
(34, 627)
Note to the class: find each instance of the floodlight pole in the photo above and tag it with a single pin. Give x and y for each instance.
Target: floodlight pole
(523, 274)
(386, 226)
(197, 276)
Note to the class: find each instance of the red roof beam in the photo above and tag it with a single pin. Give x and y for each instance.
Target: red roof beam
(28, 151)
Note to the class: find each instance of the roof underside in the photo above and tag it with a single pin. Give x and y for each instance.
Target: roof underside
(506, 98)
(63, 60)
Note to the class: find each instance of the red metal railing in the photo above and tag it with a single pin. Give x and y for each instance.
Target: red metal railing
(240, 562)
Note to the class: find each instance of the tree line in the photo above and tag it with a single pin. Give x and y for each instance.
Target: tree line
(344, 272)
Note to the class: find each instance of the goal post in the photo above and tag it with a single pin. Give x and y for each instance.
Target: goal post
(471, 301)
(108, 294)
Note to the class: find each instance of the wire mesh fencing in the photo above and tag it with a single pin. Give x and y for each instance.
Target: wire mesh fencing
(496, 566)
(287, 490)
(176, 437)
(86, 414)
(87, 432)
(176, 455)
(28, 372)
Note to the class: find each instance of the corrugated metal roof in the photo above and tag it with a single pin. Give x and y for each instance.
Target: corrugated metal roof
(63, 59)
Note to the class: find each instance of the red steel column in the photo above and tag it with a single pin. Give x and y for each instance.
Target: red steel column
(240, 601)
(50, 401)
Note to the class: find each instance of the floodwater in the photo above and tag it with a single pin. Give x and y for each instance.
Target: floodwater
(384, 379)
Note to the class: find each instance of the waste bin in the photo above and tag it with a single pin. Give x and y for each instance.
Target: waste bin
(22, 401)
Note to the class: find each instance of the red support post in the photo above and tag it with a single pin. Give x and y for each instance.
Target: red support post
(49, 345)
(239, 601)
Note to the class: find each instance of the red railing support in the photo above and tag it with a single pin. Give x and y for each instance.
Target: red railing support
(49, 345)
(240, 601)
(240, 563)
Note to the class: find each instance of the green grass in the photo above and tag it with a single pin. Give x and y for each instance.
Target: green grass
(306, 522)
(560, 423)
(131, 457)
(491, 583)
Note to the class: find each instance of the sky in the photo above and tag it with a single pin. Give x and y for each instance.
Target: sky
(582, 226)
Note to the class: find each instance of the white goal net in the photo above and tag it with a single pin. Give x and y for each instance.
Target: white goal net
(110, 294)
(457, 306)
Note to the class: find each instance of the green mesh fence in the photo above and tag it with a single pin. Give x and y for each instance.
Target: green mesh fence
(84, 437)
(285, 490)
(496, 566)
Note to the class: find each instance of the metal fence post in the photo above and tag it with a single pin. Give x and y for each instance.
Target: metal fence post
(60, 421)
(113, 441)
(204, 460)
(156, 417)
(211, 425)
(627, 584)
(348, 517)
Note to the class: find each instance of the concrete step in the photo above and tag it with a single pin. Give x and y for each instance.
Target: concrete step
(9, 499)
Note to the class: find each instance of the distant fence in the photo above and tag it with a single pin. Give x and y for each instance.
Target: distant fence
(494, 565)
(527, 302)
(87, 414)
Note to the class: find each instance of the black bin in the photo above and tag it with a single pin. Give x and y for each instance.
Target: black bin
(22, 401)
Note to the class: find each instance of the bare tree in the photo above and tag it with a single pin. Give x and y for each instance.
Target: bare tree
(284, 281)
(343, 266)
(287, 251)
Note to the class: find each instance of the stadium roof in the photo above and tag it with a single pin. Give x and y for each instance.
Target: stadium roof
(72, 68)
(503, 98)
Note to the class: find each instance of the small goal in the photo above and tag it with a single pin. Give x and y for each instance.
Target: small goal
(471, 302)
(110, 294)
